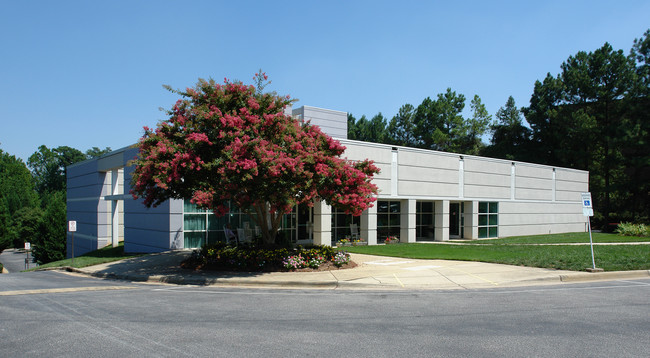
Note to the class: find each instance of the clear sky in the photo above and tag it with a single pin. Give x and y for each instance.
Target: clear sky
(90, 73)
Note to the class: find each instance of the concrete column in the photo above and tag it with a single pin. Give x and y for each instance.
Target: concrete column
(322, 224)
(369, 225)
(116, 189)
(471, 219)
(407, 221)
(115, 223)
(394, 175)
(513, 181)
(442, 220)
(104, 213)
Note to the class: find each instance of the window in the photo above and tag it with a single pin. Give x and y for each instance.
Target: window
(388, 219)
(341, 224)
(425, 220)
(202, 226)
(288, 227)
(488, 219)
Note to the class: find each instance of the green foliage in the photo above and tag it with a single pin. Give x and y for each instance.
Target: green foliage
(594, 116)
(95, 152)
(373, 130)
(477, 125)
(221, 256)
(434, 124)
(16, 193)
(100, 256)
(439, 123)
(401, 128)
(510, 138)
(50, 242)
(561, 257)
(49, 166)
(377, 129)
(26, 225)
(629, 229)
(32, 204)
(567, 238)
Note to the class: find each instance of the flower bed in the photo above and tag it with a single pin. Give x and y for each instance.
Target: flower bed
(391, 240)
(350, 242)
(251, 258)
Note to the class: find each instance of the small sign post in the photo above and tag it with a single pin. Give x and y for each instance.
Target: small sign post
(588, 211)
(72, 227)
(28, 246)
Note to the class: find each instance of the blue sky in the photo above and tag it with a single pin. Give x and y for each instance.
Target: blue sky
(90, 73)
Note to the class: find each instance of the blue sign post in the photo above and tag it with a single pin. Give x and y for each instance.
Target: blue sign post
(588, 211)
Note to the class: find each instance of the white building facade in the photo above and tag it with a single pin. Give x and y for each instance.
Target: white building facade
(423, 195)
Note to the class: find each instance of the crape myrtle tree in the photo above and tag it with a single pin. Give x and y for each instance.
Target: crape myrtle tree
(232, 142)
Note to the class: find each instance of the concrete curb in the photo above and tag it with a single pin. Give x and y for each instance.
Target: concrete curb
(208, 281)
(180, 280)
(4, 270)
(333, 283)
(596, 276)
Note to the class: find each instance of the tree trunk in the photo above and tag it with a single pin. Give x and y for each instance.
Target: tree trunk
(263, 219)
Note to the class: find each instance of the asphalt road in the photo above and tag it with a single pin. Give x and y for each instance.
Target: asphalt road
(56, 315)
(14, 260)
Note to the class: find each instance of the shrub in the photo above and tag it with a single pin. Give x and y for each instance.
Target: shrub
(629, 229)
(221, 256)
(341, 258)
(316, 261)
(294, 262)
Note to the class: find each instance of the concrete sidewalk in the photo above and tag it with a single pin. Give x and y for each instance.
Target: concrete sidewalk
(372, 272)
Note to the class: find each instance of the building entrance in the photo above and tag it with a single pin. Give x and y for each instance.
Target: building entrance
(305, 225)
(454, 221)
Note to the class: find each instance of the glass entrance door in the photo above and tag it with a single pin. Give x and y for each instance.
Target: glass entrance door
(305, 224)
(454, 220)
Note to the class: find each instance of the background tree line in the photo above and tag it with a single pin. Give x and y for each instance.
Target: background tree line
(593, 115)
(33, 199)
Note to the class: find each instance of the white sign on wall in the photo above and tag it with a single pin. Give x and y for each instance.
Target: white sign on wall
(72, 226)
(587, 205)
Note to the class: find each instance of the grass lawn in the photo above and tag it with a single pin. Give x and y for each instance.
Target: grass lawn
(106, 254)
(574, 237)
(514, 251)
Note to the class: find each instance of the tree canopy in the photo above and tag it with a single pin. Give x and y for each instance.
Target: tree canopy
(16, 194)
(231, 142)
(510, 137)
(434, 124)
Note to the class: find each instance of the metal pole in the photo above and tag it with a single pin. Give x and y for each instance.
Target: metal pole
(72, 233)
(591, 243)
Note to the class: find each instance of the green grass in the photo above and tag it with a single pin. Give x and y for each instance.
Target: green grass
(512, 252)
(575, 237)
(103, 255)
